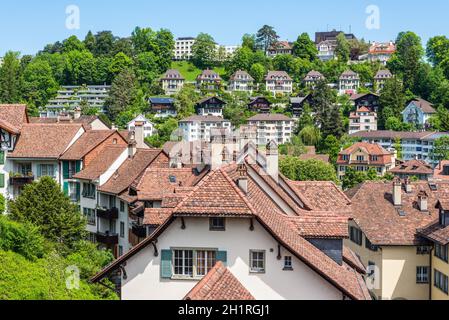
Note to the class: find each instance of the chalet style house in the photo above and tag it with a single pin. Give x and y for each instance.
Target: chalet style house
(241, 81)
(380, 78)
(368, 100)
(280, 47)
(196, 250)
(210, 106)
(363, 156)
(208, 80)
(312, 78)
(418, 112)
(259, 105)
(349, 82)
(297, 105)
(278, 82)
(163, 107)
(172, 82)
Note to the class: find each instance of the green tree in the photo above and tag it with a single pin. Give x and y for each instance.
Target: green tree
(330, 145)
(441, 149)
(343, 49)
(2, 204)
(309, 170)
(104, 43)
(266, 37)
(186, 100)
(258, 72)
(71, 44)
(79, 67)
(437, 49)
(310, 135)
(352, 178)
(305, 48)
(123, 93)
(120, 62)
(306, 118)
(164, 132)
(43, 204)
(90, 42)
(249, 41)
(10, 84)
(392, 101)
(204, 51)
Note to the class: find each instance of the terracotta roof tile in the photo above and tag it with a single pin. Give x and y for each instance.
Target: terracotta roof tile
(101, 163)
(413, 167)
(86, 143)
(219, 284)
(44, 141)
(436, 233)
(351, 258)
(156, 216)
(13, 117)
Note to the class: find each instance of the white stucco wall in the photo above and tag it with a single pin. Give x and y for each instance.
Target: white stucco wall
(143, 272)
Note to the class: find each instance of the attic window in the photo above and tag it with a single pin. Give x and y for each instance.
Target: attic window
(172, 179)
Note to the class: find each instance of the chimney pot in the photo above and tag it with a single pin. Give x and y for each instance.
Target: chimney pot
(397, 192)
(243, 178)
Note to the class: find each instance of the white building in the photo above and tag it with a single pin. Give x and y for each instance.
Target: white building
(148, 126)
(381, 77)
(238, 221)
(241, 81)
(312, 78)
(183, 48)
(363, 119)
(349, 82)
(172, 82)
(278, 82)
(276, 127)
(196, 128)
(326, 50)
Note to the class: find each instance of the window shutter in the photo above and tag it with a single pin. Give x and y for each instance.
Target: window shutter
(2, 157)
(166, 261)
(2, 180)
(66, 188)
(222, 256)
(65, 169)
(39, 170)
(78, 191)
(78, 166)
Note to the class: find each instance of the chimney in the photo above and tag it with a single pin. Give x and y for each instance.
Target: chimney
(422, 201)
(132, 145)
(242, 180)
(216, 156)
(408, 185)
(77, 113)
(397, 192)
(139, 134)
(272, 164)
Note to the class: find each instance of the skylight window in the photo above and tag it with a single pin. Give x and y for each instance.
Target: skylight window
(172, 179)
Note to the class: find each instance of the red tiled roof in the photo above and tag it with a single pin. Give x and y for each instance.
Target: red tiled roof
(86, 143)
(436, 233)
(156, 216)
(438, 173)
(413, 167)
(325, 226)
(274, 75)
(101, 163)
(13, 117)
(130, 170)
(351, 258)
(385, 224)
(44, 141)
(219, 284)
(424, 105)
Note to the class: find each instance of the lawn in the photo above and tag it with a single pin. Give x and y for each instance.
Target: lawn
(190, 72)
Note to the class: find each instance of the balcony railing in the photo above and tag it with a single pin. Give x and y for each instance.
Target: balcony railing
(139, 230)
(107, 238)
(20, 180)
(109, 214)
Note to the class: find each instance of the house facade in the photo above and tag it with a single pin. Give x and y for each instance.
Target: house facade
(280, 47)
(363, 119)
(381, 52)
(196, 128)
(348, 83)
(148, 127)
(259, 105)
(208, 80)
(241, 81)
(183, 48)
(381, 77)
(363, 156)
(210, 106)
(163, 107)
(326, 50)
(278, 82)
(172, 82)
(367, 100)
(418, 112)
(312, 78)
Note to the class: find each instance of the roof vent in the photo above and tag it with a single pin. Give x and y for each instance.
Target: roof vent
(401, 213)
(433, 187)
(172, 179)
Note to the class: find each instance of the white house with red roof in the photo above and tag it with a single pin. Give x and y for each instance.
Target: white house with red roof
(363, 119)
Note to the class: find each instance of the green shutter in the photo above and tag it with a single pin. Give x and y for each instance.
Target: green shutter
(78, 166)
(2, 157)
(39, 170)
(66, 188)
(2, 180)
(166, 257)
(78, 191)
(65, 169)
(222, 256)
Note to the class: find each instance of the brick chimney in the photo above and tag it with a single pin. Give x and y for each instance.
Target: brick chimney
(397, 192)
(242, 180)
(423, 201)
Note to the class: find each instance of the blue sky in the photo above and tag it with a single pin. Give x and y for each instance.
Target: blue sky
(28, 25)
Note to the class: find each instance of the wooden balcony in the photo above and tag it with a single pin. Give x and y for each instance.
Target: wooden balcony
(109, 214)
(139, 231)
(20, 181)
(107, 238)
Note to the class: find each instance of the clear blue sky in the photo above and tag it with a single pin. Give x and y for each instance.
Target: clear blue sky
(28, 25)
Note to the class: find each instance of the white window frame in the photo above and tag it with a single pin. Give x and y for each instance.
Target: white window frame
(252, 260)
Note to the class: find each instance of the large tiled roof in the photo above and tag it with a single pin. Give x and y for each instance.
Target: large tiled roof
(275, 75)
(413, 167)
(241, 75)
(101, 163)
(130, 170)
(388, 134)
(349, 74)
(172, 74)
(83, 119)
(86, 143)
(383, 223)
(424, 105)
(209, 75)
(13, 117)
(321, 226)
(44, 141)
(436, 233)
(313, 76)
(219, 284)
